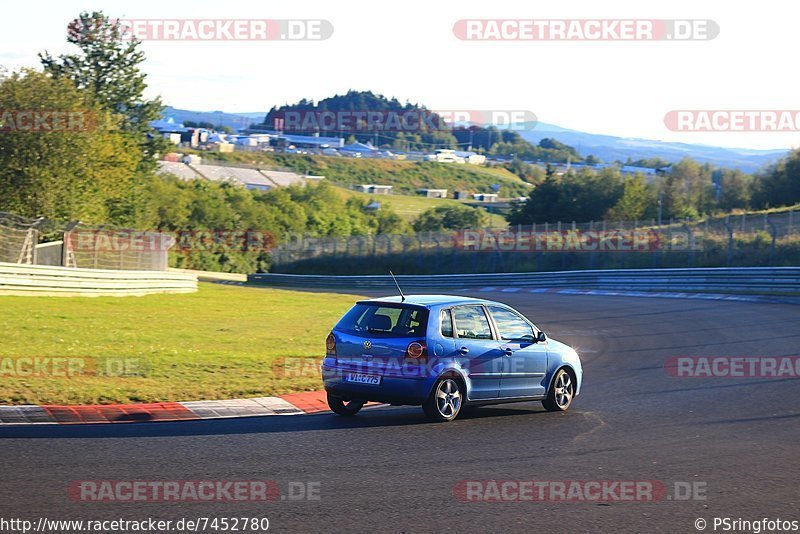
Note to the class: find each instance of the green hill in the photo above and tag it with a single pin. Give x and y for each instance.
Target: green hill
(406, 176)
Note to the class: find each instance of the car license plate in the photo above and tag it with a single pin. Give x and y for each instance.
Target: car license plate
(359, 378)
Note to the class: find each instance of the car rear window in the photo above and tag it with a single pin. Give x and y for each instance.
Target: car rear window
(384, 320)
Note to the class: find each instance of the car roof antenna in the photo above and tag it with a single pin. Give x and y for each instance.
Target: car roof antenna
(402, 297)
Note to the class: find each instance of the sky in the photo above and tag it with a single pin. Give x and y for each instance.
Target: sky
(408, 50)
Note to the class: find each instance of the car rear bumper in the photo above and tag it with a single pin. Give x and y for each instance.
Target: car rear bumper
(392, 389)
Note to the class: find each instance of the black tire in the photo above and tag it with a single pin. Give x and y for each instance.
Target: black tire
(561, 393)
(445, 401)
(343, 406)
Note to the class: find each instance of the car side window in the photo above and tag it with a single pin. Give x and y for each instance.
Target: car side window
(510, 326)
(471, 322)
(447, 323)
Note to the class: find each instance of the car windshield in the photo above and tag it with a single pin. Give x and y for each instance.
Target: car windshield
(385, 320)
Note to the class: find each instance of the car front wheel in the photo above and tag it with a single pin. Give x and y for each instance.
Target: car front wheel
(561, 393)
(344, 406)
(445, 402)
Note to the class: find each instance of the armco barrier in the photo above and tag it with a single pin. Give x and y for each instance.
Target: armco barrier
(740, 280)
(19, 279)
(212, 276)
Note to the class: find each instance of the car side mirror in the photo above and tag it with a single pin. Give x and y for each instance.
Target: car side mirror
(540, 337)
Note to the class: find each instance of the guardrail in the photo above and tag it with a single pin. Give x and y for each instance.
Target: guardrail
(20, 279)
(212, 276)
(742, 280)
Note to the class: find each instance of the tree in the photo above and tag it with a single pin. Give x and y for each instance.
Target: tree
(638, 201)
(583, 196)
(108, 67)
(735, 189)
(453, 217)
(687, 190)
(76, 173)
(780, 185)
(530, 173)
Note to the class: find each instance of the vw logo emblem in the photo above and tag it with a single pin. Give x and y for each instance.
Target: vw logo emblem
(367, 344)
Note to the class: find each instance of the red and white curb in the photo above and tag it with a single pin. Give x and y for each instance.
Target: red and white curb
(47, 414)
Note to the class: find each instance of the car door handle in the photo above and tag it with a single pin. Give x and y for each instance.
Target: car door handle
(507, 351)
(463, 350)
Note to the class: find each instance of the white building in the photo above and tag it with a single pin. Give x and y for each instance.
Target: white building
(434, 193)
(485, 197)
(374, 189)
(472, 158)
(445, 155)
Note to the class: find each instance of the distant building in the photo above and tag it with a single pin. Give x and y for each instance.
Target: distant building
(308, 141)
(460, 195)
(646, 171)
(258, 187)
(485, 197)
(245, 140)
(374, 189)
(472, 158)
(169, 130)
(360, 150)
(434, 193)
(195, 136)
(445, 155)
(174, 138)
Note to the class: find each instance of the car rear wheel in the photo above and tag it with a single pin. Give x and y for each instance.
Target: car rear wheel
(561, 393)
(344, 406)
(445, 401)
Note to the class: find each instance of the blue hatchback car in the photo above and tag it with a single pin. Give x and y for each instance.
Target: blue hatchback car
(444, 353)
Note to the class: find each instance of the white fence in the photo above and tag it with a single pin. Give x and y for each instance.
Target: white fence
(20, 279)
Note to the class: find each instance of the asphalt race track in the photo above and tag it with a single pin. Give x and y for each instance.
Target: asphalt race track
(389, 470)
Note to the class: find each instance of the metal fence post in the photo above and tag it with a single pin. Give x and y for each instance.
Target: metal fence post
(774, 232)
(730, 241)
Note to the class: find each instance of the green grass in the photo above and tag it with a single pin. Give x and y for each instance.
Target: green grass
(221, 342)
(406, 176)
(409, 207)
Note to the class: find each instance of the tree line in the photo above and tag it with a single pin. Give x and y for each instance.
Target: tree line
(432, 133)
(686, 190)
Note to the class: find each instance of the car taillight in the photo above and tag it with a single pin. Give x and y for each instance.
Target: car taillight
(330, 345)
(416, 349)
